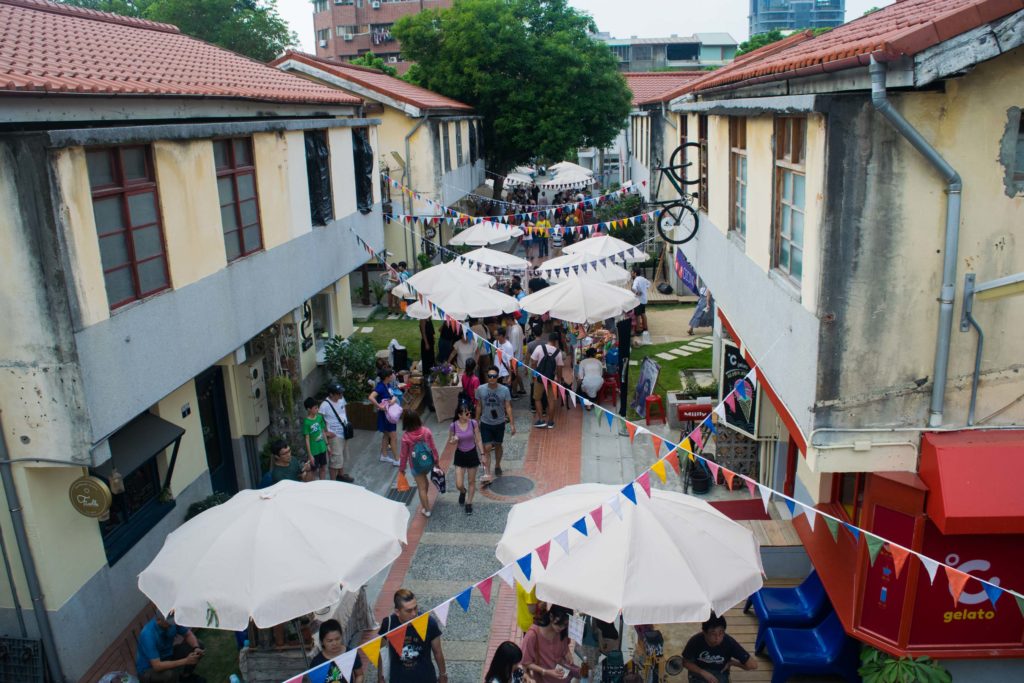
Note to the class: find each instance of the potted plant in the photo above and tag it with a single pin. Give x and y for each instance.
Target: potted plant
(444, 390)
(443, 375)
(352, 363)
(878, 667)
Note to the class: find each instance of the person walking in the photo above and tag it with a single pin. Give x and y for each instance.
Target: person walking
(546, 360)
(502, 344)
(316, 433)
(332, 646)
(427, 347)
(465, 435)
(493, 410)
(413, 664)
(470, 383)
(418, 454)
(515, 338)
(640, 287)
(506, 666)
(381, 398)
(333, 411)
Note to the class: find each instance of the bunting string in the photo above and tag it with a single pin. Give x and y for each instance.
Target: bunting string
(595, 520)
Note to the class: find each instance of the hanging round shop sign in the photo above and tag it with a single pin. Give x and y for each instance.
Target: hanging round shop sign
(90, 496)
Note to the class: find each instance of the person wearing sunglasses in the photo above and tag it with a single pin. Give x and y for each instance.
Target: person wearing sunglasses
(493, 410)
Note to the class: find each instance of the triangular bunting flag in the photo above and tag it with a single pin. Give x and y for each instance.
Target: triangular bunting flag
(656, 442)
(812, 516)
(741, 389)
(542, 553)
(419, 624)
(766, 495)
(525, 564)
(464, 597)
(752, 377)
(609, 416)
(698, 438)
(631, 429)
(659, 469)
(507, 574)
(730, 400)
(833, 528)
(713, 466)
(719, 410)
(372, 650)
(930, 565)
(562, 539)
(629, 493)
(853, 530)
(673, 459)
(580, 525)
(957, 579)
(645, 483)
(347, 662)
(1020, 603)
(397, 638)
(899, 557)
(596, 515)
(441, 612)
(485, 588)
(616, 506)
(572, 398)
(729, 476)
(790, 505)
(993, 592)
(874, 546)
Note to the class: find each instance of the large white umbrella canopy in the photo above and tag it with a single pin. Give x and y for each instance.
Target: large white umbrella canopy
(565, 173)
(483, 234)
(670, 559)
(274, 554)
(553, 269)
(418, 311)
(580, 300)
(478, 302)
(602, 246)
(493, 258)
(430, 279)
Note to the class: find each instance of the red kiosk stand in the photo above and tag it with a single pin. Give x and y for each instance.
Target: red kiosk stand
(965, 509)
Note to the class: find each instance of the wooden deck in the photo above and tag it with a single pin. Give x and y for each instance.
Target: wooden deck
(773, 532)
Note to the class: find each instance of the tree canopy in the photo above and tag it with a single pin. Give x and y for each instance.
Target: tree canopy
(249, 27)
(374, 62)
(531, 68)
(759, 40)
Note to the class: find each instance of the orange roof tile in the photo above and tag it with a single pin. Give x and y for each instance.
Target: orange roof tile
(901, 29)
(377, 81)
(50, 48)
(652, 86)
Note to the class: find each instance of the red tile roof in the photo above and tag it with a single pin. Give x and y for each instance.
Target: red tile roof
(50, 48)
(654, 86)
(901, 29)
(378, 82)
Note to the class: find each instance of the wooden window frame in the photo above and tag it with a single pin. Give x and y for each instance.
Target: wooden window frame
(235, 170)
(738, 183)
(790, 156)
(703, 123)
(459, 160)
(446, 144)
(125, 188)
(860, 479)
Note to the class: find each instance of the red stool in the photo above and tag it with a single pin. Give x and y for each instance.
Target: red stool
(649, 403)
(610, 389)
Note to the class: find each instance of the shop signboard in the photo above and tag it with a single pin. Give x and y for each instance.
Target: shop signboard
(734, 368)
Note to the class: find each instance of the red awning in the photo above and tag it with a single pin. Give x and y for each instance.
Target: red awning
(975, 479)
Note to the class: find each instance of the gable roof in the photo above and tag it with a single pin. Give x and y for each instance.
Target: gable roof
(901, 29)
(655, 86)
(51, 48)
(377, 82)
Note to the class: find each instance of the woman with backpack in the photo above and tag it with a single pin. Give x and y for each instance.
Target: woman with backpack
(418, 453)
(465, 435)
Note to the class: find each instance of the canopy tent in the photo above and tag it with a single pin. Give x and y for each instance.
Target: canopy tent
(603, 246)
(492, 258)
(274, 554)
(429, 279)
(483, 234)
(555, 269)
(670, 559)
(563, 175)
(580, 300)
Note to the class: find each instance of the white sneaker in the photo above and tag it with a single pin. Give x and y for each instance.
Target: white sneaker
(384, 457)
(395, 461)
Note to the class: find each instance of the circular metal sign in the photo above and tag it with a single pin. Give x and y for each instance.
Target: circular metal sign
(90, 496)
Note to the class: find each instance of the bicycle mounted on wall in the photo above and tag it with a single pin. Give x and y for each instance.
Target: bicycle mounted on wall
(678, 220)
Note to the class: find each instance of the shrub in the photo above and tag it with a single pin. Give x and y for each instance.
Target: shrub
(351, 362)
(879, 667)
(212, 500)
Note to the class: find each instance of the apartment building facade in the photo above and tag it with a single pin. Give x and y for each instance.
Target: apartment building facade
(789, 15)
(698, 51)
(838, 255)
(179, 223)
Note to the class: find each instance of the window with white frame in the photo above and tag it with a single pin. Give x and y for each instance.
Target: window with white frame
(790, 185)
(738, 172)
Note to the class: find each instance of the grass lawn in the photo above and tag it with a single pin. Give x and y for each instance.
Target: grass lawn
(407, 332)
(221, 658)
(668, 378)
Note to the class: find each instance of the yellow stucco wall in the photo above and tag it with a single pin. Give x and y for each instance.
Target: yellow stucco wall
(343, 184)
(189, 209)
(760, 181)
(342, 312)
(80, 227)
(271, 154)
(191, 462)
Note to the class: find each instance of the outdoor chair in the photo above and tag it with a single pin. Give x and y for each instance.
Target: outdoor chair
(800, 606)
(819, 651)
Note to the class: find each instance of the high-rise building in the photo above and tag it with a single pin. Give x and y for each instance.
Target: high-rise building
(766, 15)
(349, 28)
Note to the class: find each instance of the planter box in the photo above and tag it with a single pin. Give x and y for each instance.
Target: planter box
(446, 401)
(362, 415)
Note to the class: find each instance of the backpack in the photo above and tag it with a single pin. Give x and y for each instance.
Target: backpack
(422, 458)
(547, 363)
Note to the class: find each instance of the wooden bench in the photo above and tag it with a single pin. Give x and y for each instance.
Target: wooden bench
(120, 655)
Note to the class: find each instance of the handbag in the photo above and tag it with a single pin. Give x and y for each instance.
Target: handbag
(438, 477)
(347, 430)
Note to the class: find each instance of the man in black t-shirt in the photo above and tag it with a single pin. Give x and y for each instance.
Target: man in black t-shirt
(413, 664)
(709, 655)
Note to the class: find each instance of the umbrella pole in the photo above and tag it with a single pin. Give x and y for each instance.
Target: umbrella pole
(302, 643)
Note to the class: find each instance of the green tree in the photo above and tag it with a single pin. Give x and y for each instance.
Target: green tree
(759, 40)
(249, 27)
(374, 62)
(531, 68)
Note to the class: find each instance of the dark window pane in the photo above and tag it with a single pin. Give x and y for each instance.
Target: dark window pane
(246, 186)
(798, 263)
(220, 154)
(249, 212)
(142, 208)
(318, 172)
(231, 245)
(147, 242)
(226, 189)
(134, 160)
(252, 238)
(101, 172)
(152, 276)
(227, 218)
(784, 256)
(107, 213)
(113, 251)
(243, 152)
(119, 286)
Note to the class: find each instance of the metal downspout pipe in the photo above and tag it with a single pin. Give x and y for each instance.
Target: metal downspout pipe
(954, 186)
(409, 183)
(28, 563)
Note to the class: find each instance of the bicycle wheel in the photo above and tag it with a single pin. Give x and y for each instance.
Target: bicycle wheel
(677, 159)
(678, 223)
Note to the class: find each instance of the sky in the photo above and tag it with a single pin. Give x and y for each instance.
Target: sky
(621, 18)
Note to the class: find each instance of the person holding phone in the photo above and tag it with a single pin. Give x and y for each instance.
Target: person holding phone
(547, 650)
(160, 660)
(506, 666)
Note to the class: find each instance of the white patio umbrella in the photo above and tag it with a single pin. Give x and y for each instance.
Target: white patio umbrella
(566, 173)
(429, 279)
(274, 554)
(604, 246)
(580, 300)
(483, 234)
(554, 269)
(418, 311)
(493, 258)
(478, 302)
(670, 559)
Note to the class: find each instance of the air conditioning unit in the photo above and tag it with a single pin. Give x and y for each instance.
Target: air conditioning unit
(375, 4)
(348, 37)
(253, 409)
(393, 60)
(323, 43)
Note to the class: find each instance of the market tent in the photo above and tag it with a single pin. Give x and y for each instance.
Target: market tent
(429, 279)
(671, 558)
(565, 174)
(483, 234)
(580, 300)
(604, 246)
(492, 258)
(581, 265)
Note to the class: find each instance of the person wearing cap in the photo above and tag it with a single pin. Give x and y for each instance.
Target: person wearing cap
(159, 659)
(333, 410)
